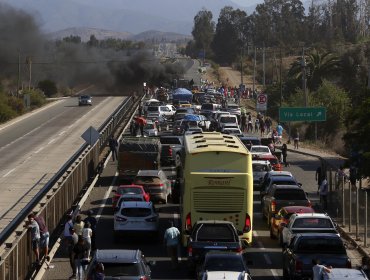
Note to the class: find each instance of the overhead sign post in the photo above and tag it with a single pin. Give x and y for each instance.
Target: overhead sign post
(261, 102)
(91, 135)
(302, 114)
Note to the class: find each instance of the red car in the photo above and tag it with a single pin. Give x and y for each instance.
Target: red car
(129, 189)
(283, 216)
(275, 163)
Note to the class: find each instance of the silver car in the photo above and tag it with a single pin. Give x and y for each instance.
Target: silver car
(150, 129)
(135, 216)
(84, 100)
(155, 182)
(121, 264)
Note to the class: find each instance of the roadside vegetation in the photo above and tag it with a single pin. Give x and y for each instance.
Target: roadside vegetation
(327, 46)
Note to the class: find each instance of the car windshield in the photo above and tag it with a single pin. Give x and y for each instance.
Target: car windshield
(149, 126)
(85, 97)
(207, 107)
(224, 263)
(289, 194)
(147, 179)
(321, 245)
(136, 212)
(121, 269)
(214, 233)
(132, 198)
(153, 109)
(260, 150)
(170, 140)
(312, 223)
(260, 167)
(228, 120)
(284, 182)
(129, 190)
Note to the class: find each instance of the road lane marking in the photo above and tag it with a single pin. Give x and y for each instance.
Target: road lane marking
(106, 196)
(52, 141)
(61, 133)
(7, 173)
(266, 256)
(39, 150)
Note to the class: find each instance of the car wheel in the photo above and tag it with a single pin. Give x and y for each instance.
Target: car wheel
(178, 160)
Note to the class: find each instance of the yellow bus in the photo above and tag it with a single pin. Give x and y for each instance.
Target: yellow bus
(217, 183)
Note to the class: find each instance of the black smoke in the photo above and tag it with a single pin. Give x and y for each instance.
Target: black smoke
(70, 64)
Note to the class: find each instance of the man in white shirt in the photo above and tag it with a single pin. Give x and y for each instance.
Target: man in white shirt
(319, 269)
(171, 240)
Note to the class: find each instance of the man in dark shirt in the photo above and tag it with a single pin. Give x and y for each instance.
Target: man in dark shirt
(44, 236)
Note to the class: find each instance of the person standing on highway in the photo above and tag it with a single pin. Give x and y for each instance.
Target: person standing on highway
(86, 235)
(78, 225)
(319, 269)
(323, 192)
(262, 127)
(80, 257)
(44, 236)
(319, 176)
(171, 240)
(243, 121)
(93, 222)
(113, 144)
(296, 139)
(284, 152)
(34, 228)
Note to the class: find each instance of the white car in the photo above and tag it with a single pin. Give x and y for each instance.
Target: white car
(260, 168)
(227, 120)
(136, 216)
(260, 150)
(232, 131)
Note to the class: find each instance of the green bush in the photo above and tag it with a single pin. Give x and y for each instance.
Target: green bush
(16, 104)
(6, 112)
(37, 99)
(48, 87)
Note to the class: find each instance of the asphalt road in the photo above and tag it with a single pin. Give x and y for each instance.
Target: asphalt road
(264, 255)
(34, 147)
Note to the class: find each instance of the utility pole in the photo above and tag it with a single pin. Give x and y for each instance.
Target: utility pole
(29, 62)
(241, 67)
(304, 87)
(281, 78)
(368, 77)
(19, 71)
(254, 71)
(263, 66)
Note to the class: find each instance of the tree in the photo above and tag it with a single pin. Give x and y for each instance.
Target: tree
(48, 87)
(229, 36)
(93, 42)
(72, 39)
(319, 66)
(203, 31)
(358, 136)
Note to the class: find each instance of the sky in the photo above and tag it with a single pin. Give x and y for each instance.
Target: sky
(247, 3)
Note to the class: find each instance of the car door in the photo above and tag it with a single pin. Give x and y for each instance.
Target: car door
(266, 202)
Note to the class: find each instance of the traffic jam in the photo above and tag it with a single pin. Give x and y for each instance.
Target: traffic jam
(199, 149)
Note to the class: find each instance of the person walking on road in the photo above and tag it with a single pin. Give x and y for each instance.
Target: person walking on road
(323, 192)
(319, 269)
(284, 152)
(86, 235)
(171, 240)
(319, 176)
(296, 139)
(243, 122)
(80, 257)
(113, 144)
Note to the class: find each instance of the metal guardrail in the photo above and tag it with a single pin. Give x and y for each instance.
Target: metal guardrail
(55, 199)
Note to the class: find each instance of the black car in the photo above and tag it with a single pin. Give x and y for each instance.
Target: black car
(249, 141)
(303, 248)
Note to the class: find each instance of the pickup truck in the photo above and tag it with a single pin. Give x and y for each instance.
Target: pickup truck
(210, 236)
(326, 247)
(306, 223)
(171, 150)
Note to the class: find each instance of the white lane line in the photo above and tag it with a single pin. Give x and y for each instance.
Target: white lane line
(52, 141)
(106, 196)
(61, 133)
(39, 150)
(7, 173)
(266, 257)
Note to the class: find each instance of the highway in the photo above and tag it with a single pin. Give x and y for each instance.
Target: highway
(264, 255)
(35, 146)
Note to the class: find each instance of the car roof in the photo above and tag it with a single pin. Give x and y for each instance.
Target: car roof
(290, 187)
(148, 173)
(223, 253)
(346, 273)
(319, 234)
(249, 138)
(298, 209)
(117, 256)
(264, 162)
(280, 173)
(311, 215)
(282, 178)
(130, 186)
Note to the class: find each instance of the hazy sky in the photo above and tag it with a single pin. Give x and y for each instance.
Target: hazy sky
(247, 3)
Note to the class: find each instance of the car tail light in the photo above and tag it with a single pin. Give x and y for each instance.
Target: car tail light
(298, 266)
(190, 251)
(247, 223)
(348, 263)
(239, 250)
(152, 219)
(273, 206)
(309, 204)
(170, 151)
(188, 225)
(120, 219)
(157, 186)
(144, 278)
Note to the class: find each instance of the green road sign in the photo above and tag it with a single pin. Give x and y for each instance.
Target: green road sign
(302, 114)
